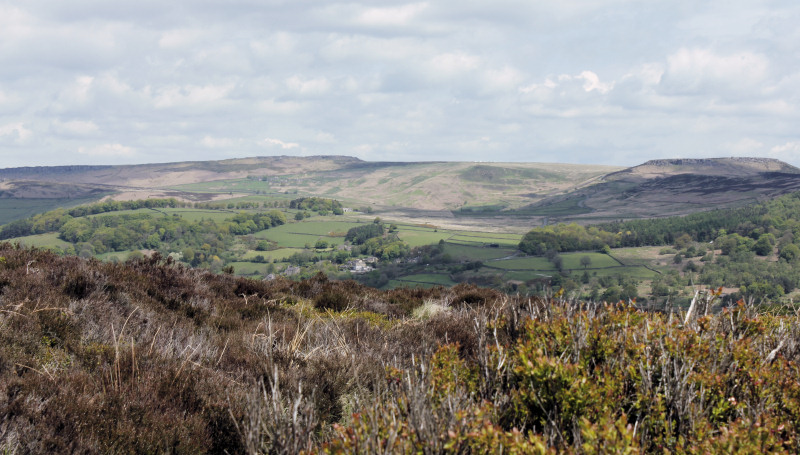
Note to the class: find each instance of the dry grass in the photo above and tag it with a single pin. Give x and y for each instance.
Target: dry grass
(152, 357)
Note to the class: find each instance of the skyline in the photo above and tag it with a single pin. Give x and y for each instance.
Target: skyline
(615, 82)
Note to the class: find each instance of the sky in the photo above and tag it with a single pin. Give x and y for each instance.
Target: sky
(613, 82)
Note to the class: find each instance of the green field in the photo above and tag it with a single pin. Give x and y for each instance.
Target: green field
(634, 271)
(599, 261)
(528, 263)
(278, 254)
(475, 253)
(187, 213)
(523, 269)
(485, 238)
(525, 276)
(16, 209)
(322, 226)
(248, 268)
(422, 279)
(49, 240)
(394, 284)
(197, 215)
(297, 235)
(120, 256)
(418, 236)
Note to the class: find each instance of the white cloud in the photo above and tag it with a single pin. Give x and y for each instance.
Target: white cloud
(76, 127)
(592, 82)
(392, 16)
(276, 107)
(453, 63)
(314, 86)
(745, 147)
(15, 132)
(78, 90)
(789, 149)
(180, 38)
(502, 79)
(191, 96)
(278, 143)
(219, 142)
(694, 71)
(107, 150)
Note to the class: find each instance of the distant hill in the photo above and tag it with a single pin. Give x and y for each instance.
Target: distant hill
(167, 174)
(724, 167)
(404, 189)
(670, 187)
(521, 194)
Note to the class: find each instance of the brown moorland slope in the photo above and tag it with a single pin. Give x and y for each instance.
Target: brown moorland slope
(407, 189)
(443, 193)
(671, 187)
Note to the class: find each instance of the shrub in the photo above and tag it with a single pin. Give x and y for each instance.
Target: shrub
(184, 361)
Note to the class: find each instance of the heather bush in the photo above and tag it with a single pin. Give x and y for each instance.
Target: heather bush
(150, 356)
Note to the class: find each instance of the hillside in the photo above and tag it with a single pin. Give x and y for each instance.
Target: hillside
(452, 194)
(734, 167)
(151, 357)
(413, 191)
(662, 188)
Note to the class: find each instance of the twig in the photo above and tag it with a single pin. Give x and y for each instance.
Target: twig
(691, 308)
(153, 342)
(45, 373)
(223, 351)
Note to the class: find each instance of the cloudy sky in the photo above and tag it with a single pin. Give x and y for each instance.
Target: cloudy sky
(578, 81)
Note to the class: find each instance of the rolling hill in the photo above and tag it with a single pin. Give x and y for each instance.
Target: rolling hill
(449, 193)
(679, 186)
(407, 190)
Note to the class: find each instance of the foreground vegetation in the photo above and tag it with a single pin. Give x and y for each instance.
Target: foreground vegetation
(150, 356)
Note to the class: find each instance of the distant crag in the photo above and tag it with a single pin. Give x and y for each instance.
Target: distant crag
(679, 186)
(728, 167)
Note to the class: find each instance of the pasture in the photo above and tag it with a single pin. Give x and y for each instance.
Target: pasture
(421, 280)
(49, 240)
(476, 253)
(537, 263)
(418, 236)
(13, 209)
(297, 235)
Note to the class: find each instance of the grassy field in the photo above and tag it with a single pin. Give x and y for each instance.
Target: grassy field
(476, 253)
(324, 226)
(297, 235)
(599, 261)
(421, 280)
(249, 268)
(50, 240)
(639, 256)
(525, 276)
(633, 271)
(277, 255)
(419, 236)
(197, 215)
(17, 209)
(120, 256)
(485, 238)
(186, 213)
(528, 263)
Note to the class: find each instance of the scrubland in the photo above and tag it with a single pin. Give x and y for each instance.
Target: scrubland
(149, 356)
